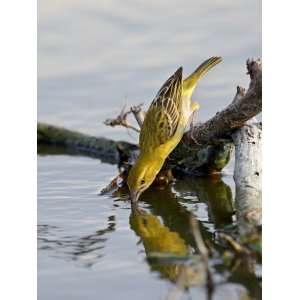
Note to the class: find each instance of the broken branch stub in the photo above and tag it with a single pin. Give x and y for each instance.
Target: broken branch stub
(247, 177)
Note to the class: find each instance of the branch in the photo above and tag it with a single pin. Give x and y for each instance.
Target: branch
(215, 134)
(247, 177)
(243, 107)
(138, 113)
(121, 119)
(71, 141)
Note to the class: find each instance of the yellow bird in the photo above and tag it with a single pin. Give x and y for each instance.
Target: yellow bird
(164, 126)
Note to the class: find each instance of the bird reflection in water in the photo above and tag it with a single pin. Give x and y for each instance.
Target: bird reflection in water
(164, 228)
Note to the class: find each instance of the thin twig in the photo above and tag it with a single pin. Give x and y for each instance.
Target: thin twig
(138, 113)
(121, 120)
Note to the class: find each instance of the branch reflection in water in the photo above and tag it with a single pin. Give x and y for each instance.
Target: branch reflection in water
(165, 232)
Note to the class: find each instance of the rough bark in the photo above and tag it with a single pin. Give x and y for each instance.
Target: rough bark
(216, 132)
(247, 177)
(243, 107)
(211, 158)
(105, 149)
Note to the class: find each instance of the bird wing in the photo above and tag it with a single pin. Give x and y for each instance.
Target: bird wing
(163, 115)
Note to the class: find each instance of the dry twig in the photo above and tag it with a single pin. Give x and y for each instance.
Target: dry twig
(138, 113)
(121, 120)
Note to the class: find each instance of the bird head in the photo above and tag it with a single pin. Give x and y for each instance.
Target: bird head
(142, 174)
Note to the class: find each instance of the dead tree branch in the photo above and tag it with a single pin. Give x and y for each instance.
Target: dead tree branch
(215, 134)
(247, 176)
(107, 150)
(121, 120)
(138, 113)
(243, 107)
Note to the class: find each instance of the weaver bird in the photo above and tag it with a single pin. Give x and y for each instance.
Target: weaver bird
(164, 125)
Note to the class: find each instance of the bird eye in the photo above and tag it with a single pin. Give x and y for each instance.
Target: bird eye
(142, 182)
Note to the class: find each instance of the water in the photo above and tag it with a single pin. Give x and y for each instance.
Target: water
(93, 57)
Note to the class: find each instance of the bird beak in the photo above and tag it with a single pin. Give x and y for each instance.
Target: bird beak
(134, 194)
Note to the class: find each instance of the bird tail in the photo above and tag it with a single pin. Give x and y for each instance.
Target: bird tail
(190, 82)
